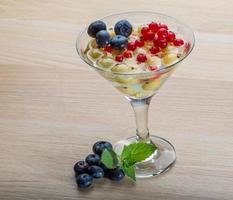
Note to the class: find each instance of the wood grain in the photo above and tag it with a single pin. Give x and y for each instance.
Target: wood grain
(53, 106)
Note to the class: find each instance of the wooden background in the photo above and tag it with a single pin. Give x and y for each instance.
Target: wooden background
(53, 106)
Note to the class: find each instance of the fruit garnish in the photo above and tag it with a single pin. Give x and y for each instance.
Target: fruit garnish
(144, 31)
(99, 147)
(171, 36)
(80, 167)
(108, 49)
(95, 27)
(102, 38)
(154, 50)
(131, 46)
(119, 42)
(162, 34)
(119, 58)
(153, 26)
(178, 42)
(139, 43)
(163, 44)
(130, 155)
(141, 58)
(123, 28)
(96, 171)
(163, 26)
(127, 54)
(84, 180)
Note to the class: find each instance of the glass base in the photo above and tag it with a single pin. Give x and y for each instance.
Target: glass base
(163, 158)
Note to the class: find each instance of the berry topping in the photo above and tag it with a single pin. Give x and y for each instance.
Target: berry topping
(153, 27)
(119, 42)
(139, 43)
(116, 174)
(96, 171)
(102, 38)
(99, 147)
(153, 68)
(119, 58)
(162, 34)
(178, 42)
(171, 36)
(108, 49)
(144, 30)
(127, 54)
(154, 50)
(123, 28)
(149, 35)
(156, 41)
(95, 27)
(163, 44)
(163, 26)
(131, 46)
(80, 167)
(141, 57)
(84, 180)
(93, 159)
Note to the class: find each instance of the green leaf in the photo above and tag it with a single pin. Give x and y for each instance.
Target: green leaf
(137, 152)
(129, 171)
(109, 158)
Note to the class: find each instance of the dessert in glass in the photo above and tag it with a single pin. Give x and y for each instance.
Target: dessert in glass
(137, 52)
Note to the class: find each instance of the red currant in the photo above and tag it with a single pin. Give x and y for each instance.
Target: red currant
(139, 43)
(171, 36)
(127, 54)
(163, 44)
(141, 57)
(119, 58)
(156, 41)
(153, 68)
(163, 26)
(153, 27)
(162, 34)
(108, 49)
(131, 46)
(178, 42)
(154, 50)
(149, 35)
(144, 30)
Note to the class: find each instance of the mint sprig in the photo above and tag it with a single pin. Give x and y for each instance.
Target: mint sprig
(109, 159)
(130, 155)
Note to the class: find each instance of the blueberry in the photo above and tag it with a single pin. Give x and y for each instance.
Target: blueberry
(119, 42)
(93, 159)
(84, 180)
(99, 147)
(102, 38)
(80, 167)
(95, 27)
(96, 171)
(123, 27)
(116, 174)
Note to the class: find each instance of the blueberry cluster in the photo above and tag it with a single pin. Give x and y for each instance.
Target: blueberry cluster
(92, 168)
(122, 29)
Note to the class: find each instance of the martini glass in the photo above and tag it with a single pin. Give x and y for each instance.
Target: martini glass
(139, 88)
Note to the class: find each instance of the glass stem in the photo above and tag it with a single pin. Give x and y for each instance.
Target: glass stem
(140, 107)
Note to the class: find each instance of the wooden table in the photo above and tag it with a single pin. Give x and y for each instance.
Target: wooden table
(53, 107)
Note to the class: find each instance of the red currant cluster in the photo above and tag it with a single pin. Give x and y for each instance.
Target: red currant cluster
(154, 32)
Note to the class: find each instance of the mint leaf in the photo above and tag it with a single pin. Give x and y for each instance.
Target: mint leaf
(129, 171)
(136, 152)
(109, 158)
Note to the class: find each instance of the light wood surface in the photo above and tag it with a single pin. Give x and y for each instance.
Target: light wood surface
(53, 107)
